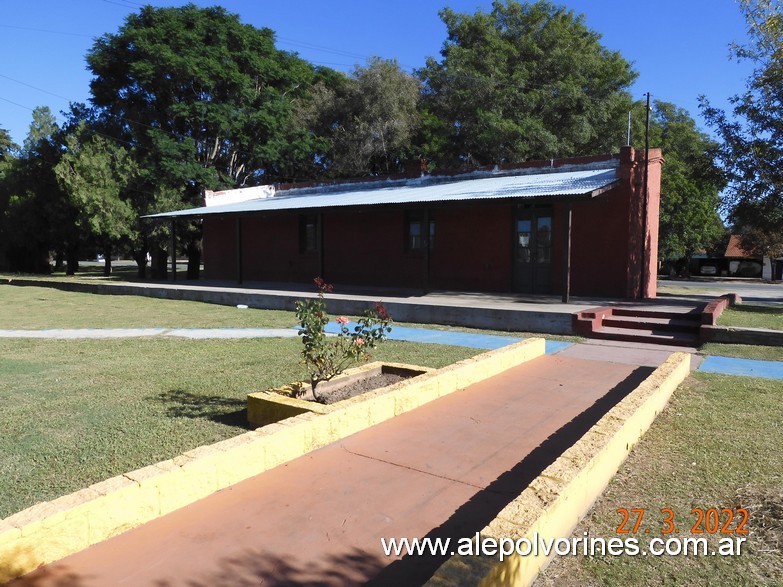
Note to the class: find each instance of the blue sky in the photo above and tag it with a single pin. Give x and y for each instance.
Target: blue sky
(679, 48)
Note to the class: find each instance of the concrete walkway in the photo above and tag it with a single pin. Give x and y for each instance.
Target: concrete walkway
(441, 471)
(193, 333)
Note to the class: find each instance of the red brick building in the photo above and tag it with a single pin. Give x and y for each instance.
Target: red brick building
(585, 227)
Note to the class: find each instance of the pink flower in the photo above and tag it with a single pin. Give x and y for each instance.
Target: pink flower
(322, 286)
(341, 320)
(359, 341)
(381, 311)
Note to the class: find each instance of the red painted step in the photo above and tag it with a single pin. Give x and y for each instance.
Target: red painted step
(651, 323)
(666, 325)
(646, 335)
(686, 313)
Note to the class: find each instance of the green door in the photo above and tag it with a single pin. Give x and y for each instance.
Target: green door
(533, 251)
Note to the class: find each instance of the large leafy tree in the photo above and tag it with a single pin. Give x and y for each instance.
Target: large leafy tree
(368, 118)
(95, 173)
(207, 97)
(526, 80)
(752, 149)
(690, 182)
(36, 215)
(205, 101)
(378, 117)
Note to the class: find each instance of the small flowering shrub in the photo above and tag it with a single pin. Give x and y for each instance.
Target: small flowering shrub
(328, 356)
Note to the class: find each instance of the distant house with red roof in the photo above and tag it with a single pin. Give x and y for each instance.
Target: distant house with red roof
(743, 263)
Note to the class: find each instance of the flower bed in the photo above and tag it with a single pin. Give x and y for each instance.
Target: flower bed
(273, 405)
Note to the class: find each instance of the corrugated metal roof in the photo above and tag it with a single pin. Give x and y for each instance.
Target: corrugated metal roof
(536, 185)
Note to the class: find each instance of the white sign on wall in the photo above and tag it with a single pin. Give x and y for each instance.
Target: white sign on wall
(235, 196)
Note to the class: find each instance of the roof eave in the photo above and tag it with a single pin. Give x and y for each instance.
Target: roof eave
(202, 212)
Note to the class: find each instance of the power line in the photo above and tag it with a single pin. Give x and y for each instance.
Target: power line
(23, 28)
(17, 104)
(21, 83)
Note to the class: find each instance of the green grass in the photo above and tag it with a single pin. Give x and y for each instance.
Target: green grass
(77, 412)
(752, 316)
(743, 351)
(716, 445)
(90, 273)
(80, 411)
(42, 308)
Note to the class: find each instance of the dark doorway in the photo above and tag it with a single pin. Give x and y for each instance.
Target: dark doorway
(533, 250)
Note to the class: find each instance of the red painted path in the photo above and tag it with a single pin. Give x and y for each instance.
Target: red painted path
(445, 469)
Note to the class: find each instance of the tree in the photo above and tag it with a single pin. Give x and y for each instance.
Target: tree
(210, 97)
(690, 182)
(206, 102)
(37, 217)
(7, 150)
(367, 119)
(523, 81)
(752, 149)
(43, 128)
(7, 146)
(95, 173)
(377, 118)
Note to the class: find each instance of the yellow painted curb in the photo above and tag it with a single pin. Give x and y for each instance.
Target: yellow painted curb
(554, 502)
(49, 531)
(272, 405)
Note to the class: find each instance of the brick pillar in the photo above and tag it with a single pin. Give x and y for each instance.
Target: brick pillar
(643, 218)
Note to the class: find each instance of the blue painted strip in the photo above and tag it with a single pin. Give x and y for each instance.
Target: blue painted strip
(466, 339)
(555, 346)
(746, 367)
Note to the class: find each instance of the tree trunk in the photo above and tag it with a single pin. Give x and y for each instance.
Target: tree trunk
(59, 260)
(72, 259)
(141, 263)
(160, 269)
(107, 260)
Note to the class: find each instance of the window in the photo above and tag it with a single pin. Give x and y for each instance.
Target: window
(544, 239)
(309, 233)
(419, 231)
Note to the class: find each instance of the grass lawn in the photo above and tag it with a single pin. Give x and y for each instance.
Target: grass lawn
(79, 411)
(752, 316)
(42, 308)
(717, 444)
(743, 351)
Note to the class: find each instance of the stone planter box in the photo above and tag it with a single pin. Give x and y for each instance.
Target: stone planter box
(273, 405)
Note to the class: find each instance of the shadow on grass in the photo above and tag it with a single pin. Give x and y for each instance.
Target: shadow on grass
(746, 309)
(223, 410)
(246, 568)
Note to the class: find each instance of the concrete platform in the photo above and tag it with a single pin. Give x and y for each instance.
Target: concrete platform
(631, 353)
(443, 470)
(508, 312)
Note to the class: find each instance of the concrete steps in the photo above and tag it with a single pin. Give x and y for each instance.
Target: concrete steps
(675, 327)
(647, 335)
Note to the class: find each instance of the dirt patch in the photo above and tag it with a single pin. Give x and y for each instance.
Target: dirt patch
(359, 387)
